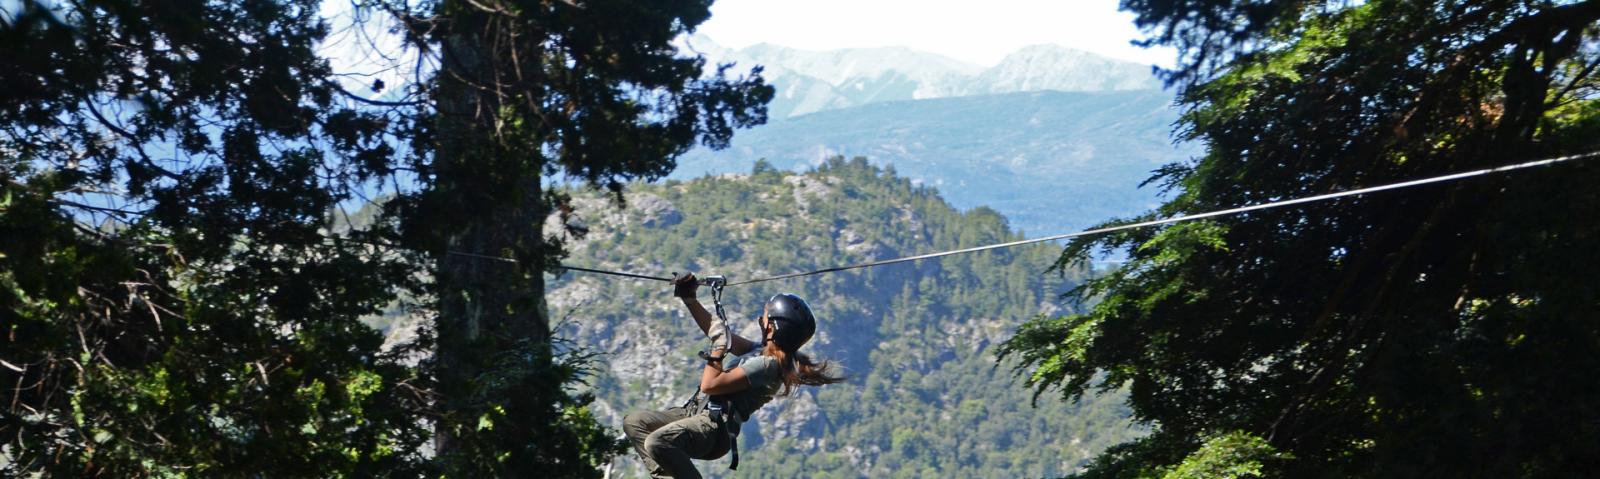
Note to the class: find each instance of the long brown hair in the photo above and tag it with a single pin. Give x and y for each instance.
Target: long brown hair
(798, 369)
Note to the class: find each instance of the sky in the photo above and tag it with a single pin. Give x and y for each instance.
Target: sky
(976, 31)
(981, 31)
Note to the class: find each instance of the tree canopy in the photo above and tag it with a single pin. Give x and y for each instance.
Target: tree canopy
(1443, 331)
(179, 297)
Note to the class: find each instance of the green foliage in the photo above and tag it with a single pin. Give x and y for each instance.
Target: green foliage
(924, 398)
(1437, 331)
(169, 308)
(173, 302)
(560, 438)
(1233, 455)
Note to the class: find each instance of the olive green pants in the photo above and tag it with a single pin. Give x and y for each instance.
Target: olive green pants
(669, 440)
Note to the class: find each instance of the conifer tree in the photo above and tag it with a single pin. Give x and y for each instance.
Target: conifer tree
(591, 90)
(1440, 331)
(176, 298)
(169, 304)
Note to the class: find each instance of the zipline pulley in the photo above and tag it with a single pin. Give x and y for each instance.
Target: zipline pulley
(717, 283)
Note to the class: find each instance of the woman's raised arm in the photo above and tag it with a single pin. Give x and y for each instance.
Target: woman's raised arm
(685, 288)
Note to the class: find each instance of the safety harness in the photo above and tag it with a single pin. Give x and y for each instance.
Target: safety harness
(721, 409)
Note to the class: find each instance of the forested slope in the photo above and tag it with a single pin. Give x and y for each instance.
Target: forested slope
(925, 397)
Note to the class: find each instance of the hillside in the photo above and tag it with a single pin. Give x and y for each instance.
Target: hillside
(925, 398)
(1050, 161)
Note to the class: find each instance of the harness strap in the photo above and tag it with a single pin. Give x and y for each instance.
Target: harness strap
(730, 420)
(733, 441)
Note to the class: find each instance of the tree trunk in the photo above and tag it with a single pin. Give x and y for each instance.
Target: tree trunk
(487, 307)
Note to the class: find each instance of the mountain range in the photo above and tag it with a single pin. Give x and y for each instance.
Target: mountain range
(1054, 138)
(813, 81)
(1050, 161)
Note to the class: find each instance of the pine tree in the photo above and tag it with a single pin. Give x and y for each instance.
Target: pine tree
(168, 302)
(177, 299)
(592, 90)
(1443, 331)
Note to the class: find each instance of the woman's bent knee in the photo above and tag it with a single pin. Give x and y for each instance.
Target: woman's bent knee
(656, 445)
(633, 419)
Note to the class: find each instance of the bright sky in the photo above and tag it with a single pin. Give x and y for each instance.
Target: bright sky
(977, 31)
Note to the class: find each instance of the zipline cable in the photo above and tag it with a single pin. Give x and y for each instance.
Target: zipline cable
(503, 259)
(616, 273)
(1109, 229)
(1197, 216)
(572, 268)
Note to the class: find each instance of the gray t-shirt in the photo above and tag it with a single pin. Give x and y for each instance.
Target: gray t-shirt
(765, 379)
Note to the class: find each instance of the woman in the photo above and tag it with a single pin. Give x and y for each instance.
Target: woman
(704, 428)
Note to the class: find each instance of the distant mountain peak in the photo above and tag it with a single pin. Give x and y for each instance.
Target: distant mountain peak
(842, 66)
(1049, 48)
(811, 81)
(1059, 68)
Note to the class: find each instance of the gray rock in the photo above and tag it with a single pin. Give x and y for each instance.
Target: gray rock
(796, 417)
(654, 211)
(807, 187)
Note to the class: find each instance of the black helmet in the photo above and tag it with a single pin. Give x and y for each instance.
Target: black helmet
(792, 322)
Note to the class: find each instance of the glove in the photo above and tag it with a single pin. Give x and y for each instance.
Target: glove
(685, 286)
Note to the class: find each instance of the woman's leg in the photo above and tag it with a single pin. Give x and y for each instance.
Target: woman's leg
(673, 446)
(639, 424)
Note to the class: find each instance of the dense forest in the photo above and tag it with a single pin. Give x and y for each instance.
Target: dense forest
(925, 396)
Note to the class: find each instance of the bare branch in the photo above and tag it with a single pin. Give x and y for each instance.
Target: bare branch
(370, 101)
